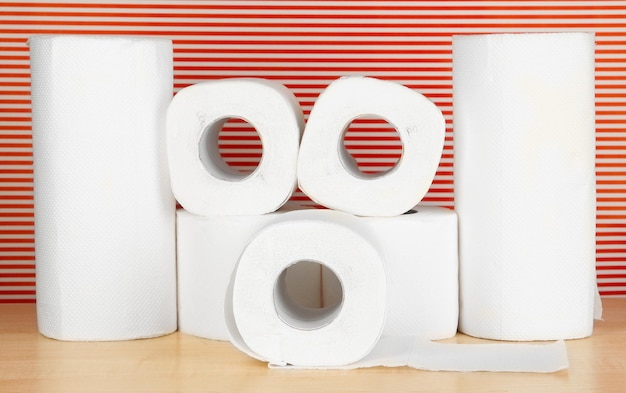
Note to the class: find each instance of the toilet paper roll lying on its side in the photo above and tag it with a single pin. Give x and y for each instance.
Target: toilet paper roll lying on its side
(327, 174)
(201, 181)
(419, 251)
(104, 211)
(208, 248)
(525, 184)
(420, 255)
(266, 324)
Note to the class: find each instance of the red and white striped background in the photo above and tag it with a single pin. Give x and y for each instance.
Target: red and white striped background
(305, 45)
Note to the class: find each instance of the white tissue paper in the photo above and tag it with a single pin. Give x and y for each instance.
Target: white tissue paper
(363, 329)
(201, 181)
(328, 175)
(208, 249)
(525, 184)
(104, 211)
(419, 251)
(270, 326)
(420, 255)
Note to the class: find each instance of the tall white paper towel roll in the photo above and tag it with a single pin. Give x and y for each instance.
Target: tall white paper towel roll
(525, 184)
(201, 181)
(269, 326)
(104, 211)
(330, 178)
(208, 248)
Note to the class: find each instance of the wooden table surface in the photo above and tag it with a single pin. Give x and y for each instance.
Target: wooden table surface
(30, 362)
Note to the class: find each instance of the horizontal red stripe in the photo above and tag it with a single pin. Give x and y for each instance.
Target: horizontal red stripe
(613, 267)
(17, 214)
(17, 241)
(16, 206)
(612, 293)
(16, 284)
(353, 146)
(612, 182)
(16, 232)
(444, 14)
(290, 67)
(304, 42)
(393, 158)
(611, 208)
(304, 50)
(611, 242)
(601, 260)
(17, 249)
(545, 21)
(292, 60)
(17, 301)
(438, 199)
(16, 292)
(611, 284)
(609, 234)
(307, 6)
(393, 32)
(612, 276)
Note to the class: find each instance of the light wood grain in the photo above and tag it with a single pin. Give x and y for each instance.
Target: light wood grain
(30, 362)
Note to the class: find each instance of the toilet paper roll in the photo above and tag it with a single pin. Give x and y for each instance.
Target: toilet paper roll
(201, 181)
(208, 248)
(267, 324)
(525, 184)
(420, 254)
(104, 211)
(419, 250)
(330, 178)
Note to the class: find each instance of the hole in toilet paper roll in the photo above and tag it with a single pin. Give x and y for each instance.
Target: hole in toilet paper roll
(299, 297)
(371, 146)
(230, 148)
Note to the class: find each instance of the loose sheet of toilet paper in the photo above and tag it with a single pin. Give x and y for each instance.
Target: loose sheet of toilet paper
(291, 342)
(104, 211)
(421, 354)
(330, 177)
(208, 249)
(525, 184)
(201, 181)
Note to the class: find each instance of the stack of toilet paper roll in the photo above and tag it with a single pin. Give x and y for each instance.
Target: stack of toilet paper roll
(325, 284)
(371, 278)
